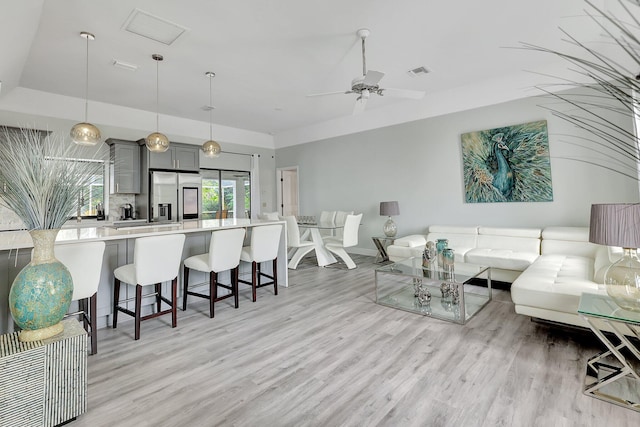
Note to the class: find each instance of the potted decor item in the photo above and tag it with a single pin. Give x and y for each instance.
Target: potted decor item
(43, 183)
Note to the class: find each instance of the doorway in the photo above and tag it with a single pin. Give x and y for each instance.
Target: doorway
(287, 190)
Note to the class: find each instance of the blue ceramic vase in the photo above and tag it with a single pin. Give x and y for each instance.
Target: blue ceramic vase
(41, 293)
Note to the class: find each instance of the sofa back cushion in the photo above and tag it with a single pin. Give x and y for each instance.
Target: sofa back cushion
(461, 239)
(515, 239)
(568, 241)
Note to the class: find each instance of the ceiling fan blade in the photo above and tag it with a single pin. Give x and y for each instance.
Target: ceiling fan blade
(361, 103)
(403, 93)
(328, 93)
(372, 78)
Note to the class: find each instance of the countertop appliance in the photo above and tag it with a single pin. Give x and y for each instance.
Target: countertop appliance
(174, 196)
(127, 211)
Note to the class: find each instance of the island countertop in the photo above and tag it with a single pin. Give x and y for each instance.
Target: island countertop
(21, 239)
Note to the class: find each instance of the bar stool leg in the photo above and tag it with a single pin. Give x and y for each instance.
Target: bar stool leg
(234, 285)
(185, 288)
(254, 279)
(159, 296)
(116, 298)
(174, 302)
(275, 275)
(93, 321)
(137, 312)
(213, 292)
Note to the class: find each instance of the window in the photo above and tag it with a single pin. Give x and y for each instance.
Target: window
(225, 194)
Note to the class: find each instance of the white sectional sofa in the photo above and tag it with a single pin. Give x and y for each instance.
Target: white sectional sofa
(549, 269)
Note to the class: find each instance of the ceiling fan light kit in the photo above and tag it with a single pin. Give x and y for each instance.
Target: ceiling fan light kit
(368, 83)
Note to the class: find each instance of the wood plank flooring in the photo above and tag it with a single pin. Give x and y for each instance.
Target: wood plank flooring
(322, 353)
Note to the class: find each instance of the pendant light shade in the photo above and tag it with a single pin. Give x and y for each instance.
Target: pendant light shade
(156, 141)
(211, 148)
(85, 133)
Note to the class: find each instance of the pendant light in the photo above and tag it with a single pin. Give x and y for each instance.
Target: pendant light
(211, 148)
(85, 133)
(157, 142)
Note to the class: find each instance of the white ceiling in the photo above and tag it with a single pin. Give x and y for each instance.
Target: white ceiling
(269, 54)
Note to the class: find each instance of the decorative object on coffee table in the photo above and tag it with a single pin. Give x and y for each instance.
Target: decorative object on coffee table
(389, 209)
(441, 245)
(43, 188)
(619, 225)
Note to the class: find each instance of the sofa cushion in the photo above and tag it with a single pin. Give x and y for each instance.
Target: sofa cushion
(501, 258)
(511, 232)
(453, 229)
(411, 241)
(555, 282)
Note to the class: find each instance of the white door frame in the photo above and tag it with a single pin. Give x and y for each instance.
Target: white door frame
(279, 187)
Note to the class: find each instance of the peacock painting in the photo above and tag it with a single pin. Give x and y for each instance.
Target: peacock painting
(508, 164)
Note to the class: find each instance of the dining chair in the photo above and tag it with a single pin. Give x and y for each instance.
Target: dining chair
(222, 214)
(223, 255)
(84, 262)
(327, 218)
(265, 241)
(156, 259)
(341, 218)
(271, 216)
(349, 239)
(294, 242)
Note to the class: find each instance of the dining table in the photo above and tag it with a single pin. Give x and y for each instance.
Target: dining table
(315, 229)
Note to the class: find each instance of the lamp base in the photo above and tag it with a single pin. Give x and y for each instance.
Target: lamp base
(622, 280)
(390, 228)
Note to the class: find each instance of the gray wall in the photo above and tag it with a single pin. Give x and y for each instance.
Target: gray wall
(419, 164)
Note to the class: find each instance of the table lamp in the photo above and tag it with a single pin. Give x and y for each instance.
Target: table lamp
(619, 225)
(389, 209)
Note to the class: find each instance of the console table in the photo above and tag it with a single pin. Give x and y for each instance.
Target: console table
(43, 383)
(611, 375)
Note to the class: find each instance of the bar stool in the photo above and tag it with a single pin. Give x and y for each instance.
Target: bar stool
(156, 259)
(265, 240)
(224, 254)
(84, 262)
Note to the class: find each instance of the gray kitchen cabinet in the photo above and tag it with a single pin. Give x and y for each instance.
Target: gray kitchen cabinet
(124, 166)
(181, 157)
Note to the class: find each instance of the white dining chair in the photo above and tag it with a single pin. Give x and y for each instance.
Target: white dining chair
(327, 218)
(84, 262)
(350, 238)
(265, 241)
(224, 255)
(341, 218)
(294, 242)
(156, 259)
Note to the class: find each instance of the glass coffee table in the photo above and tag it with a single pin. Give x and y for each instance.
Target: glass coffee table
(613, 375)
(434, 292)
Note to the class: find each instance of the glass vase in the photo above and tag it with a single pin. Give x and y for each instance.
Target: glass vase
(41, 293)
(441, 245)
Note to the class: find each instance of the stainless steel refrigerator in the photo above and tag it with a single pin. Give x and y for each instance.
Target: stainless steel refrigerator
(174, 196)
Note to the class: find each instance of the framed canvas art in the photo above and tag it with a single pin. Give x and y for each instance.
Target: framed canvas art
(507, 164)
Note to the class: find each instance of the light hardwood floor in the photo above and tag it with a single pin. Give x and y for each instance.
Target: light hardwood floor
(322, 353)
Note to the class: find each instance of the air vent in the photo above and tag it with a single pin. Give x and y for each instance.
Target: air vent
(125, 65)
(153, 27)
(418, 71)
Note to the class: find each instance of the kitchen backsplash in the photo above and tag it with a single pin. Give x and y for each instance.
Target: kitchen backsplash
(116, 201)
(9, 220)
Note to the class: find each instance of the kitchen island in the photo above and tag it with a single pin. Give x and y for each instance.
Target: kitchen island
(15, 253)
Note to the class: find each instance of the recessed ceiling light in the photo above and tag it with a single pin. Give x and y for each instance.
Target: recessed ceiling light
(125, 65)
(418, 71)
(153, 27)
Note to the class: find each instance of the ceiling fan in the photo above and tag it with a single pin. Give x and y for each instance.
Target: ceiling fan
(367, 84)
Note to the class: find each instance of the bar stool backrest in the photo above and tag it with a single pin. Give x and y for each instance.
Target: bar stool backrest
(265, 241)
(225, 249)
(157, 258)
(84, 261)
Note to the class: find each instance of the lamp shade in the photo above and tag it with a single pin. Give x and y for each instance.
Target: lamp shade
(389, 208)
(616, 224)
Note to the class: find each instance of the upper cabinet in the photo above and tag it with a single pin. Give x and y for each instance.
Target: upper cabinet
(124, 166)
(179, 157)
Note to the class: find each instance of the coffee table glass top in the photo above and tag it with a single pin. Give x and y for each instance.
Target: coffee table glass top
(404, 284)
(600, 305)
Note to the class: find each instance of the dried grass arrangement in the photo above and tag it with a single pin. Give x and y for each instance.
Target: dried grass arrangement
(40, 183)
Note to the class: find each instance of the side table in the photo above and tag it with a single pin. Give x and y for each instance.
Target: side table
(381, 243)
(43, 383)
(613, 375)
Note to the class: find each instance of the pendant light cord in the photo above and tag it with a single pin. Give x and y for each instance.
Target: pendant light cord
(86, 86)
(157, 97)
(211, 107)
